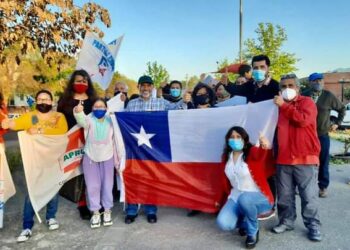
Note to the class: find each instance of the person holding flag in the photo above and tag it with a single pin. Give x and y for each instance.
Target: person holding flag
(145, 102)
(41, 121)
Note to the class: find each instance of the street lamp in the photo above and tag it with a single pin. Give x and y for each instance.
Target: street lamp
(342, 82)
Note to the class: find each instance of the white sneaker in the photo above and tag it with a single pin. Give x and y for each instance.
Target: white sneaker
(25, 235)
(95, 221)
(52, 224)
(107, 218)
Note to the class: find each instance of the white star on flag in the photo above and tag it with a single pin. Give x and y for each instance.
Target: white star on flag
(143, 137)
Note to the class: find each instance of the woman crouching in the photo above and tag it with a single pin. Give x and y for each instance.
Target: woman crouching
(250, 194)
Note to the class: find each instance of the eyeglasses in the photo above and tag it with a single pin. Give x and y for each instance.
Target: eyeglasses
(288, 76)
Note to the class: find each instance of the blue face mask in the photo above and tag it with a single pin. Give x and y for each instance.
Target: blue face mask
(259, 75)
(99, 113)
(236, 144)
(316, 87)
(175, 92)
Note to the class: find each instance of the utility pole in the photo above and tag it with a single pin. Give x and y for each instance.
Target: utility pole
(240, 30)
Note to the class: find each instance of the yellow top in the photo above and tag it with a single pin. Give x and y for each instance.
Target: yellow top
(55, 125)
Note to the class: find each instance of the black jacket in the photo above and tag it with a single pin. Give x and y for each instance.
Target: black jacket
(252, 92)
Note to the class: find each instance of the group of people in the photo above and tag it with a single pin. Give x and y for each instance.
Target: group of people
(300, 148)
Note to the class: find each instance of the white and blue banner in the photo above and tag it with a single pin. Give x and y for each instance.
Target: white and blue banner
(99, 59)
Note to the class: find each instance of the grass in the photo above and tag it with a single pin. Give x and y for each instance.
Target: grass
(342, 136)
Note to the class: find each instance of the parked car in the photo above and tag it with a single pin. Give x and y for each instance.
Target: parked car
(346, 122)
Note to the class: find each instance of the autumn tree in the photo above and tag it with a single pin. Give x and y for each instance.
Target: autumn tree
(158, 73)
(269, 42)
(38, 39)
(54, 27)
(117, 77)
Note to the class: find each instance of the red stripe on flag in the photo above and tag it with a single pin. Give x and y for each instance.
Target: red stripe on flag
(198, 186)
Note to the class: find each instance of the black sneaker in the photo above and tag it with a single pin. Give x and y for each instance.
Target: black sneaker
(130, 219)
(252, 241)
(314, 235)
(152, 218)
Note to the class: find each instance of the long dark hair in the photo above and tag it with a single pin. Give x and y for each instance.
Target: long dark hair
(247, 145)
(68, 93)
(2, 104)
(210, 92)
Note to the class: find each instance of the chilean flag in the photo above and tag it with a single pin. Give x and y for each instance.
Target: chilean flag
(173, 158)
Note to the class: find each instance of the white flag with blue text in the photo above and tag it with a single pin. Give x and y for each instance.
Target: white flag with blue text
(98, 59)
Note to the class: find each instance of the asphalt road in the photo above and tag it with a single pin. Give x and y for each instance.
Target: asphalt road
(176, 231)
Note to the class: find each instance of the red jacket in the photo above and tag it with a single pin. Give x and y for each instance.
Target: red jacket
(297, 132)
(261, 166)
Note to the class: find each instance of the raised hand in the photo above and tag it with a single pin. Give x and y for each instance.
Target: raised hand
(79, 108)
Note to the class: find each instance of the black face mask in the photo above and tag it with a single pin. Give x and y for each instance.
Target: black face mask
(43, 107)
(201, 99)
(117, 92)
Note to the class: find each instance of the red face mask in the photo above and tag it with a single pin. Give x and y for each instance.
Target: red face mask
(80, 88)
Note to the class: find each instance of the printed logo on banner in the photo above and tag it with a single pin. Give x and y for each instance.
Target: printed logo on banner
(74, 152)
(107, 60)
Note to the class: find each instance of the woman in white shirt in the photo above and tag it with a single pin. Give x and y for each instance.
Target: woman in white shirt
(247, 171)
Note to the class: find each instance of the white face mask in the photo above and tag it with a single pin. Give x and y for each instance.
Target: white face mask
(289, 94)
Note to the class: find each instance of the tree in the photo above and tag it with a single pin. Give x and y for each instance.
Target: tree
(269, 42)
(347, 93)
(117, 77)
(223, 63)
(54, 27)
(33, 73)
(158, 73)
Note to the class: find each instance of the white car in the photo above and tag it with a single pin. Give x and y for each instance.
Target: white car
(346, 122)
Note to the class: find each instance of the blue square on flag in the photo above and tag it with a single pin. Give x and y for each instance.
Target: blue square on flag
(147, 134)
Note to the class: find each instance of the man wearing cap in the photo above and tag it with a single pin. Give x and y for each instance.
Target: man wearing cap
(145, 102)
(297, 158)
(325, 102)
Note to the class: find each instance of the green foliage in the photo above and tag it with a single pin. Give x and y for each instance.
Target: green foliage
(347, 93)
(158, 73)
(337, 161)
(190, 82)
(269, 42)
(223, 63)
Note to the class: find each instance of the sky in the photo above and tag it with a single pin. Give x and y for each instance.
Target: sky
(188, 37)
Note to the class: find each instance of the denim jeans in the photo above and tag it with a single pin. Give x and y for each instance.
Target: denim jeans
(28, 212)
(323, 171)
(243, 213)
(131, 209)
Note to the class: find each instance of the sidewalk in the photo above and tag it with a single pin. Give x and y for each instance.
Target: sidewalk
(174, 230)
